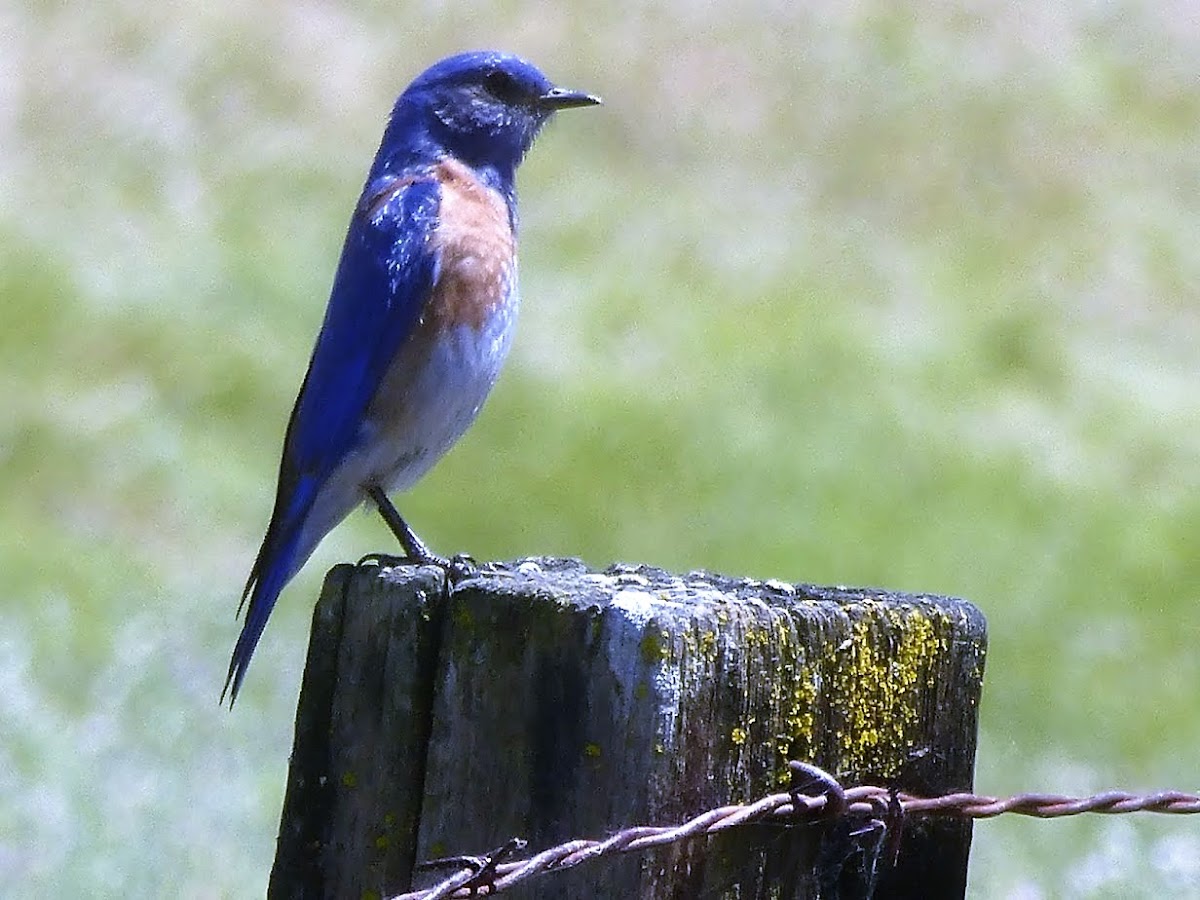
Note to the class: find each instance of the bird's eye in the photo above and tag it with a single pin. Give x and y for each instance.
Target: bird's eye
(503, 86)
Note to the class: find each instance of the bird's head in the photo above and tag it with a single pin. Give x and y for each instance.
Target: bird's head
(484, 108)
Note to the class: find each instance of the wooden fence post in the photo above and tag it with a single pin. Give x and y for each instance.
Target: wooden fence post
(546, 701)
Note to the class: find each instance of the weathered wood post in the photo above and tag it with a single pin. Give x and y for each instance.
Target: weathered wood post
(546, 701)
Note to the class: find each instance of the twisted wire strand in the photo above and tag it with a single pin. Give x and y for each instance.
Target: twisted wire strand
(491, 874)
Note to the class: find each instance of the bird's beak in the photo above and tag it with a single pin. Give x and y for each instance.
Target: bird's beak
(564, 98)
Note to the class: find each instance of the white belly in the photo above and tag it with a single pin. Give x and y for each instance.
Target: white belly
(428, 398)
(421, 412)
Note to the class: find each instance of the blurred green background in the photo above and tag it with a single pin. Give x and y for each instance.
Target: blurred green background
(845, 293)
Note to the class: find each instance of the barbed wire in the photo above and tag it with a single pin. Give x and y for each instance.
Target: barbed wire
(813, 795)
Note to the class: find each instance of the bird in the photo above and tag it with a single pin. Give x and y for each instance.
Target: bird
(420, 316)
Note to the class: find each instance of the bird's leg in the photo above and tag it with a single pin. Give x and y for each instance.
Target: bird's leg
(414, 548)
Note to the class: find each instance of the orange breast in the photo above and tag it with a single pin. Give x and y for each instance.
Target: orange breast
(476, 247)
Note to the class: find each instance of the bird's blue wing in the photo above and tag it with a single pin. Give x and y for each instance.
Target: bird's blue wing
(383, 282)
(384, 279)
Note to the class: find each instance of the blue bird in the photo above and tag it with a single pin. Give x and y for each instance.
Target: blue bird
(420, 317)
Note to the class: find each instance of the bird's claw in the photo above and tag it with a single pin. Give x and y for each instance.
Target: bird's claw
(383, 560)
(460, 567)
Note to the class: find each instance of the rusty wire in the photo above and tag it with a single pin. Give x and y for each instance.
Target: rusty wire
(491, 874)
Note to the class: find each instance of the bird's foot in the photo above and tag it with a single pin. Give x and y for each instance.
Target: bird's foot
(457, 568)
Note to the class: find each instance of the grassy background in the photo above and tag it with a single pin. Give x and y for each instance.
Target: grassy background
(844, 293)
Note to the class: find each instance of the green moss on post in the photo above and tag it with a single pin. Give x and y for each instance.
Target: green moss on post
(547, 701)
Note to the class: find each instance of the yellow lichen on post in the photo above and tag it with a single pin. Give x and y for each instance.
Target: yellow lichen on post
(877, 683)
(796, 696)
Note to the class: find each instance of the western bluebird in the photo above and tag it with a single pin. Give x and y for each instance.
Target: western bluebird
(420, 317)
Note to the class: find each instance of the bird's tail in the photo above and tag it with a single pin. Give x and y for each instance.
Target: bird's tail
(279, 558)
